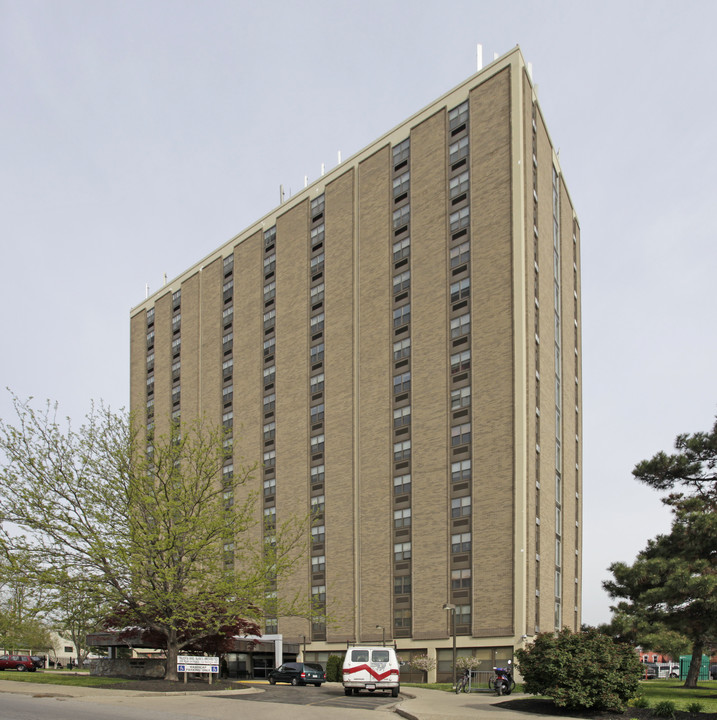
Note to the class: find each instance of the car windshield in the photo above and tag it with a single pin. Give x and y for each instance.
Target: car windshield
(380, 656)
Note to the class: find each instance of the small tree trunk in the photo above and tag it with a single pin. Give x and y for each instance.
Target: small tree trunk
(694, 671)
(172, 653)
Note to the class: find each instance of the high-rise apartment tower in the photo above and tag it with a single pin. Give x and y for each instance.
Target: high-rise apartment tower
(398, 346)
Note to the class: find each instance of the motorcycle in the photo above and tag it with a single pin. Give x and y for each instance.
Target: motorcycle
(503, 682)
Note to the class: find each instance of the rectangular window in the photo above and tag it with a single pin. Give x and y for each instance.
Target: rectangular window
(401, 249)
(317, 504)
(269, 238)
(317, 236)
(269, 376)
(402, 349)
(318, 563)
(317, 293)
(269, 291)
(400, 153)
(458, 116)
(270, 518)
(228, 286)
(461, 507)
(460, 290)
(400, 186)
(401, 383)
(402, 585)
(228, 419)
(269, 431)
(401, 316)
(461, 325)
(269, 402)
(402, 416)
(269, 346)
(400, 218)
(228, 316)
(317, 264)
(269, 486)
(401, 282)
(461, 398)
(317, 207)
(317, 444)
(461, 471)
(459, 220)
(270, 458)
(402, 619)
(402, 484)
(458, 150)
(402, 551)
(269, 264)
(317, 474)
(460, 579)
(269, 319)
(463, 614)
(317, 413)
(458, 186)
(402, 518)
(461, 434)
(460, 254)
(317, 323)
(317, 383)
(402, 450)
(318, 533)
(461, 542)
(460, 361)
(317, 353)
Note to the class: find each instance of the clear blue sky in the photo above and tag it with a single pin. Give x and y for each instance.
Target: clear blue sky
(138, 136)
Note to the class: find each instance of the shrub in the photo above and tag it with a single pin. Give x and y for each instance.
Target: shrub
(580, 671)
(640, 702)
(664, 709)
(695, 707)
(334, 666)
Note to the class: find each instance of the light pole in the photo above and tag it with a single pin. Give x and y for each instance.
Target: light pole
(383, 633)
(452, 608)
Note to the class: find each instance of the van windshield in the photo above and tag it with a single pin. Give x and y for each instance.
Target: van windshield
(379, 656)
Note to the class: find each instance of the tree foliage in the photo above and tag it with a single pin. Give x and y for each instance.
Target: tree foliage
(580, 671)
(149, 521)
(673, 581)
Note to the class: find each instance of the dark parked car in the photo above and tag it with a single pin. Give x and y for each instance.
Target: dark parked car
(39, 660)
(17, 662)
(298, 673)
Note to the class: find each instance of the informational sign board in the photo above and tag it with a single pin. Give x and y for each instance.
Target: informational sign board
(197, 664)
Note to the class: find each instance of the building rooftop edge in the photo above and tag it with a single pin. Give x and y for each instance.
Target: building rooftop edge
(317, 186)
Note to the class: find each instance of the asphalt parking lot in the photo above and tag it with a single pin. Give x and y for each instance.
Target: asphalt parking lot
(328, 695)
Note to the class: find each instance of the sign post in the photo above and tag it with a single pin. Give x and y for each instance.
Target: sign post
(197, 664)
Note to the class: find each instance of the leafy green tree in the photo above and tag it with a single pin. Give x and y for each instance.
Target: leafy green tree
(673, 581)
(150, 522)
(580, 671)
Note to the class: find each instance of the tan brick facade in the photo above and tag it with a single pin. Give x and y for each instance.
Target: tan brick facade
(434, 467)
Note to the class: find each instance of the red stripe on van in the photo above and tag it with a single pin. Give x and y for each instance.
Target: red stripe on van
(371, 671)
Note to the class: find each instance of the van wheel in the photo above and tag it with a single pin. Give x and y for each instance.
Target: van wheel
(394, 692)
(347, 691)
(356, 691)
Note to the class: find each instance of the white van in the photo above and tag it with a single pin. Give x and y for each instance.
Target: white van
(371, 667)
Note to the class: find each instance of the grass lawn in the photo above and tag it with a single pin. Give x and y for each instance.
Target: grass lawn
(42, 678)
(658, 690)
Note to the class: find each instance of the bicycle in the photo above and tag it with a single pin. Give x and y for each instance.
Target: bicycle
(462, 684)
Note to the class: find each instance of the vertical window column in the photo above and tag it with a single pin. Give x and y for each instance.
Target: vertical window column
(459, 351)
(401, 311)
(317, 242)
(269, 480)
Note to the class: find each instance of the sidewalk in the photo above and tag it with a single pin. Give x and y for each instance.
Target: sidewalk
(436, 705)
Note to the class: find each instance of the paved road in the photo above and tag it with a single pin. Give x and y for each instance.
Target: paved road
(52, 704)
(330, 695)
